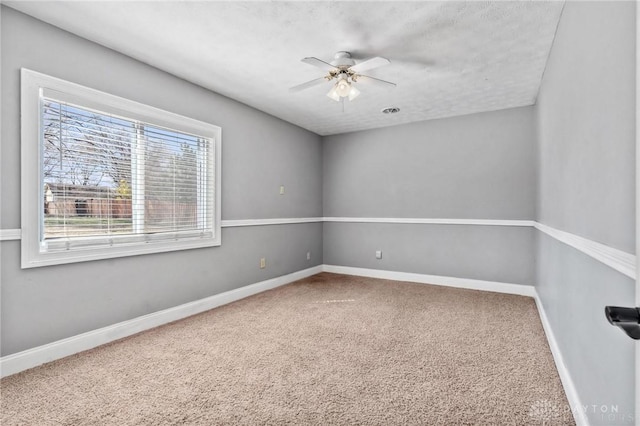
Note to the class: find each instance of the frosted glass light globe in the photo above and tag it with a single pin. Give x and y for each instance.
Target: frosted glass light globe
(343, 88)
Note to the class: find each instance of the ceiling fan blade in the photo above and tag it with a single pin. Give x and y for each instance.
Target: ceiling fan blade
(308, 84)
(370, 64)
(319, 63)
(369, 79)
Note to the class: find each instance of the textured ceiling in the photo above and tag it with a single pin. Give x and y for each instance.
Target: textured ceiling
(447, 58)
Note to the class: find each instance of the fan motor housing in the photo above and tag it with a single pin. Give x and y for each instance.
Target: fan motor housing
(343, 60)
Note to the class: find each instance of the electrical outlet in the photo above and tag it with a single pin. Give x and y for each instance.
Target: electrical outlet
(263, 263)
(308, 255)
(378, 254)
(281, 189)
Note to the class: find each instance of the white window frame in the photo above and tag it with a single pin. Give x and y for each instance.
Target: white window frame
(33, 86)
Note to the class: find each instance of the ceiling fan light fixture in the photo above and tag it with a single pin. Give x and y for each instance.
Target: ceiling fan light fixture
(345, 71)
(343, 87)
(353, 93)
(333, 93)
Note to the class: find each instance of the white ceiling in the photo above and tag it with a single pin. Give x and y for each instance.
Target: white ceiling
(448, 58)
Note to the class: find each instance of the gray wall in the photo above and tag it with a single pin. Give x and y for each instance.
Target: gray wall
(491, 253)
(480, 166)
(259, 153)
(586, 124)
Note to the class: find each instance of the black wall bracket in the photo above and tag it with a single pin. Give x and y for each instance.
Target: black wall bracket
(628, 319)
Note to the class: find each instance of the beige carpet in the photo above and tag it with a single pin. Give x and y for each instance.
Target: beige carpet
(329, 349)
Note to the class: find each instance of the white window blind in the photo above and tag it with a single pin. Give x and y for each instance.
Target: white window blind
(115, 173)
(108, 176)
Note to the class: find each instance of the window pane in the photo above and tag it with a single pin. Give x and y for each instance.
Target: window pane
(86, 171)
(108, 176)
(172, 192)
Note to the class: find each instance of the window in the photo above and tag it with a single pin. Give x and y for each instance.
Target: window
(106, 177)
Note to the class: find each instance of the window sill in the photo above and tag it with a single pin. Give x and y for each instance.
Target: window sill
(89, 254)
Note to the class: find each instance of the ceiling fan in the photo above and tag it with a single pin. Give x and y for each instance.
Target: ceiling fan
(345, 71)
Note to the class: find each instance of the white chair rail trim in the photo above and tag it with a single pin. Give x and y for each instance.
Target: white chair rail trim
(10, 234)
(619, 260)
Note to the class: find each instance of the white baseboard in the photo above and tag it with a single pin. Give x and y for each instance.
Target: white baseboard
(497, 287)
(567, 383)
(30, 358)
